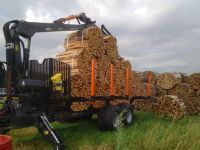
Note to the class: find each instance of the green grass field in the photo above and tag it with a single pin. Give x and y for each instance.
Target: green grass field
(147, 133)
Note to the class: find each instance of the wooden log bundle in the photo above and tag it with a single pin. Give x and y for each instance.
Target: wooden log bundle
(80, 48)
(153, 76)
(140, 88)
(192, 105)
(144, 104)
(144, 90)
(170, 106)
(198, 93)
(136, 83)
(169, 80)
(194, 80)
(161, 91)
(182, 90)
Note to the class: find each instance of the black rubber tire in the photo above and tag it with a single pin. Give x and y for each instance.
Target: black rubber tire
(107, 116)
(128, 115)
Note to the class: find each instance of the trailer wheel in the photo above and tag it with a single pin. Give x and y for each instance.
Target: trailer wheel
(109, 118)
(128, 115)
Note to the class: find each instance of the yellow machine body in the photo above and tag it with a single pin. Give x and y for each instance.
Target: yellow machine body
(57, 82)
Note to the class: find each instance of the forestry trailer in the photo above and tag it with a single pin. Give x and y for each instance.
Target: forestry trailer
(33, 95)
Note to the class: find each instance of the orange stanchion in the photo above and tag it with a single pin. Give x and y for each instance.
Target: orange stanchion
(92, 93)
(149, 85)
(127, 82)
(5, 142)
(111, 80)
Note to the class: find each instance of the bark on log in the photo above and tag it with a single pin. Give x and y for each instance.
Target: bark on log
(169, 80)
(192, 105)
(153, 75)
(136, 83)
(144, 105)
(80, 48)
(144, 90)
(161, 91)
(182, 90)
(194, 80)
(170, 106)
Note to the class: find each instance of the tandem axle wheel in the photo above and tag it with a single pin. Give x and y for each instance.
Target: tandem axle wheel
(111, 117)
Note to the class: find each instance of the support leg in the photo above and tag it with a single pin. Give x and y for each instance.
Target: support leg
(46, 130)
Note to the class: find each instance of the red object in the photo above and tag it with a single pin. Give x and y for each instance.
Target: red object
(149, 85)
(92, 78)
(127, 82)
(111, 80)
(5, 142)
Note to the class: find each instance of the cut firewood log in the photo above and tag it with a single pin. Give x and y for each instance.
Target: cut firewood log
(169, 80)
(80, 48)
(192, 105)
(144, 90)
(182, 90)
(153, 76)
(111, 49)
(136, 83)
(161, 91)
(170, 106)
(144, 104)
(194, 80)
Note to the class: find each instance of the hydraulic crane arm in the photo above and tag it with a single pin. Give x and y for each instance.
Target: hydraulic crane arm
(15, 29)
(80, 18)
(28, 29)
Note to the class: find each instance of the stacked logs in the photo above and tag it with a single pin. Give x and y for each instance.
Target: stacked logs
(83, 46)
(170, 106)
(181, 85)
(153, 76)
(192, 105)
(136, 85)
(194, 80)
(182, 90)
(140, 88)
(169, 80)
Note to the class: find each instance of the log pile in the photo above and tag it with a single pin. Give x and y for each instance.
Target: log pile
(170, 106)
(80, 48)
(194, 80)
(152, 75)
(192, 105)
(139, 87)
(136, 84)
(182, 90)
(144, 105)
(161, 91)
(144, 90)
(91, 43)
(169, 80)
(178, 84)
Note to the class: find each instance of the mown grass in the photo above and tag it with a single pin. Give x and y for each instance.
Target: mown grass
(147, 133)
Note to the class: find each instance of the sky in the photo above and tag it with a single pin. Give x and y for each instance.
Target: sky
(157, 35)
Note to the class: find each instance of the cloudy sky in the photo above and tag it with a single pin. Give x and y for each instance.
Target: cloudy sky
(158, 35)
